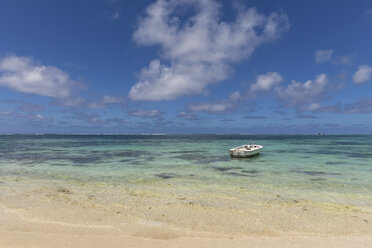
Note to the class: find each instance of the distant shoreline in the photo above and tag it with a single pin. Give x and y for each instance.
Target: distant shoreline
(175, 134)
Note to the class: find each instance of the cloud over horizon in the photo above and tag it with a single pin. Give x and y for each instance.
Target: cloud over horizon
(303, 96)
(363, 74)
(323, 55)
(266, 82)
(217, 107)
(25, 75)
(144, 113)
(199, 50)
(299, 96)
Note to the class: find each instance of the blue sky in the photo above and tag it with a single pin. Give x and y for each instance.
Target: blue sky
(177, 66)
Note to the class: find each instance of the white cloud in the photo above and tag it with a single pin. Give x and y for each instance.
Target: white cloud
(323, 55)
(106, 100)
(159, 82)
(144, 113)
(266, 82)
(314, 107)
(211, 107)
(235, 96)
(24, 75)
(302, 96)
(40, 117)
(188, 116)
(363, 74)
(217, 107)
(200, 49)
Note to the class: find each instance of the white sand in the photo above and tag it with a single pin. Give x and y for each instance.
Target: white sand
(17, 233)
(52, 218)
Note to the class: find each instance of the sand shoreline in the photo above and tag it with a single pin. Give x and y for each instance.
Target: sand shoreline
(16, 232)
(14, 235)
(45, 215)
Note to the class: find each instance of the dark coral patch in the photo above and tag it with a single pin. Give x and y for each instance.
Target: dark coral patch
(316, 173)
(250, 171)
(166, 175)
(227, 168)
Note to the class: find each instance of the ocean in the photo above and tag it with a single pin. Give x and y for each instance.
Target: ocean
(327, 168)
(146, 173)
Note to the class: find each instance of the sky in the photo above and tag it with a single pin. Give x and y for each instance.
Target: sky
(186, 66)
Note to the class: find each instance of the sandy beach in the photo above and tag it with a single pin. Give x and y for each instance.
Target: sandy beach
(55, 216)
(16, 232)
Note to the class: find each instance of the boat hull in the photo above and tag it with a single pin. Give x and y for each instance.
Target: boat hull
(242, 152)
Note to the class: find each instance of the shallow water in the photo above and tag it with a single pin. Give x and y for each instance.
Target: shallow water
(327, 169)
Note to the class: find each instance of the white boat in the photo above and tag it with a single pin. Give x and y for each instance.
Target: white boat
(245, 151)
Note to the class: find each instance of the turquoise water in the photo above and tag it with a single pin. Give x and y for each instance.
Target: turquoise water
(327, 169)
